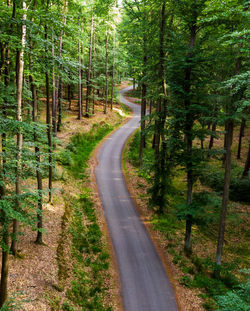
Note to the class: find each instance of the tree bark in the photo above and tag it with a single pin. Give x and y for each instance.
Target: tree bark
(48, 116)
(39, 238)
(247, 164)
(5, 61)
(93, 75)
(241, 135)
(106, 73)
(89, 66)
(188, 137)
(69, 96)
(59, 121)
(79, 77)
(143, 114)
(5, 240)
(54, 102)
(58, 96)
(19, 133)
(143, 103)
(211, 142)
(5, 259)
(229, 139)
(113, 72)
(229, 126)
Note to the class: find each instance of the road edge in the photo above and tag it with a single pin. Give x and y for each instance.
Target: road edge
(93, 163)
(148, 227)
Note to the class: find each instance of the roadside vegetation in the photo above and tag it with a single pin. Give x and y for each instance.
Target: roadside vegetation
(197, 269)
(88, 260)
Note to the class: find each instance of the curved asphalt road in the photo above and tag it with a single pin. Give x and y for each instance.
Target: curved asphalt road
(145, 285)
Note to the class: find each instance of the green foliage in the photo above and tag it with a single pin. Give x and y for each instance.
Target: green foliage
(133, 149)
(67, 307)
(204, 209)
(13, 304)
(212, 286)
(237, 299)
(213, 177)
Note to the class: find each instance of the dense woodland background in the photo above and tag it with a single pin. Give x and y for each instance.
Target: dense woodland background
(189, 62)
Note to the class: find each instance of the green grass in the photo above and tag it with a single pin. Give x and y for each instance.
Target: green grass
(77, 153)
(91, 259)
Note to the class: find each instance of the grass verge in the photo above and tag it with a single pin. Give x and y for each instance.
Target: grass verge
(82, 253)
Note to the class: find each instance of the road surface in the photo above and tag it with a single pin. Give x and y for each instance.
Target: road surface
(145, 285)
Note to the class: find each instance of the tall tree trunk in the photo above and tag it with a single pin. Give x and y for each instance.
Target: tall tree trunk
(54, 103)
(229, 139)
(79, 76)
(58, 98)
(59, 122)
(241, 135)
(48, 116)
(106, 72)
(160, 178)
(211, 142)
(19, 133)
(247, 164)
(89, 66)
(5, 61)
(227, 164)
(5, 245)
(5, 235)
(39, 238)
(93, 75)
(69, 95)
(143, 123)
(188, 137)
(57, 115)
(5, 260)
(143, 103)
(113, 72)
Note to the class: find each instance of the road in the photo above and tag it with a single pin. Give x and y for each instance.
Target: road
(145, 284)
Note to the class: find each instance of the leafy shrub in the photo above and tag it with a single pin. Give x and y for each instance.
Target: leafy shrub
(239, 187)
(134, 149)
(186, 281)
(212, 286)
(240, 190)
(236, 300)
(203, 209)
(67, 307)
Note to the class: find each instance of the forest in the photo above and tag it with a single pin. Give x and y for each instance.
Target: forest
(62, 66)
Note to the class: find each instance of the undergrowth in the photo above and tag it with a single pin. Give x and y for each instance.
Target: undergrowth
(77, 153)
(91, 260)
(88, 251)
(212, 175)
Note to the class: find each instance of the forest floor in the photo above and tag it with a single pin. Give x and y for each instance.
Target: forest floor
(191, 276)
(41, 277)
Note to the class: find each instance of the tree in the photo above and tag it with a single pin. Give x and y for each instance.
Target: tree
(20, 66)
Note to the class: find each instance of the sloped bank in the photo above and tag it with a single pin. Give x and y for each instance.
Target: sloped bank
(86, 280)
